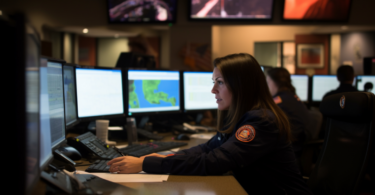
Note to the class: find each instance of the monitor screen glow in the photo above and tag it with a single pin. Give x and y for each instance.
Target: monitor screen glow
(301, 84)
(70, 95)
(322, 84)
(99, 92)
(362, 80)
(153, 91)
(197, 91)
(231, 9)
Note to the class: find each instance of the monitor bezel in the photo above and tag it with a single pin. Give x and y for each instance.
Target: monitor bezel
(91, 118)
(77, 121)
(135, 114)
(314, 20)
(231, 20)
(173, 21)
(183, 93)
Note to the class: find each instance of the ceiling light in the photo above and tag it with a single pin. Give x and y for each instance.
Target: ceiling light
(344, 27)
(85, 30)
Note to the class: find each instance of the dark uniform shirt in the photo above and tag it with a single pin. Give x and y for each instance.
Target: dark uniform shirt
(341, 89)
(261, 160)
(298, 116)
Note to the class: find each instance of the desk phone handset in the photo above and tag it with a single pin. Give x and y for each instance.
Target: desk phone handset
(60, 160)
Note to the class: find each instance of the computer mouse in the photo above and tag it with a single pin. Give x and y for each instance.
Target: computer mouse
(71, 152)
(182, 137)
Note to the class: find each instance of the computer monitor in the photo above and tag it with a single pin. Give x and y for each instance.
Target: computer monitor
(70, 96)
(366, 81)
(20, 57)
(301, 84)
(52, 118)
(99, 93)
(197, 88)
(153, 91)
(322, 84)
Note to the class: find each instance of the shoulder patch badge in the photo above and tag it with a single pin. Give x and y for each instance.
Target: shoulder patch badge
(245, 133)
(277, 100)
(342, 102)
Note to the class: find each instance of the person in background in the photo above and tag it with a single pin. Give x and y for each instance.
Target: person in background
(284, 95)
(368, 87)
(345, 75)
(253, 139)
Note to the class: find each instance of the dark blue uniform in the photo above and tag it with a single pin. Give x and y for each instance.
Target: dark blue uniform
(261, 160)
(341, 89)
(298, 116)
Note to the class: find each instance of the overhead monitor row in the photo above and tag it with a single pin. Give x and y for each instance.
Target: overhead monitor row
(165, 11)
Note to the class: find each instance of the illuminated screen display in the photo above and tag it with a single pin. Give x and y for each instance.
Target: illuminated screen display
(197, 91)
(99, 92)
(70, 95)
(142, 11)
(366, 82)
(301, 83)
(322, 84)
(231, 9)
(335, 10)
(153, 91)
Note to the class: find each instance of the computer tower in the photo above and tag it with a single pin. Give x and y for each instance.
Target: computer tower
(369, 66)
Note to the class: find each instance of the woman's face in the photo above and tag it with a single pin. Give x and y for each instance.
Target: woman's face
(222, 94)
(272, 86)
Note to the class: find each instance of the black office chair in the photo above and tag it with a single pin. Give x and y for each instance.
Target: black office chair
(342, 162)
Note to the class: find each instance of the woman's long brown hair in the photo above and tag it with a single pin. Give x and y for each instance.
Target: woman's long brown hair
(246, 81)
(281, 77)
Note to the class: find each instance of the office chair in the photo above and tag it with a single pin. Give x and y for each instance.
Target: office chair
(314, 126)
(342, 162)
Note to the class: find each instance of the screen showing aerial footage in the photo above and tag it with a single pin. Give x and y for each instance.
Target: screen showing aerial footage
(231, 9)
(153, 91)
(334, 10)
(142, 11)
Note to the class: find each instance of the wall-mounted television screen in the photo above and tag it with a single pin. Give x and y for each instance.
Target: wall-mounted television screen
(142, 11)
(231, 9)
(319, 10)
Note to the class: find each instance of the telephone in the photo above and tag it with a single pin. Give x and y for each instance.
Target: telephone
(61, 160)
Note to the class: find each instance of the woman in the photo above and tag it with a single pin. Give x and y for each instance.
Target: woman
(253, 141)
(284, 95)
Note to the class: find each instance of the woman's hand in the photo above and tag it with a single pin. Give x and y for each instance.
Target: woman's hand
(126, 164)
(154, 154)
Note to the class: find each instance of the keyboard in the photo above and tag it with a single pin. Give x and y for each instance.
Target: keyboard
(139, 150)
(99, 166)
(148, 134)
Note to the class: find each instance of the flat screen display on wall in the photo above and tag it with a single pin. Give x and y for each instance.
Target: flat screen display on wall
(231, 9)
(319, 10)
(142, 11)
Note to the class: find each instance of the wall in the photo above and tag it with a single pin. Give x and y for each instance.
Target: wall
(109, 50)
(356, 46)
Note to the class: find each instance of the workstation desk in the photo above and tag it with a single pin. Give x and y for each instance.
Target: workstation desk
(185, 185)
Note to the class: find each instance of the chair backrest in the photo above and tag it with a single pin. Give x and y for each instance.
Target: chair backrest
(314, 125)
(349, 134)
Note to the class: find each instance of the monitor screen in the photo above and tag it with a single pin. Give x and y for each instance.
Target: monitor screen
(322, 84)
(197, 91)
(153, 91)
(231, 9)
(99, 92)
(328, 10)
(70, 95)
(52, 120)
(366, 83)
(301, 83)
(142, 11)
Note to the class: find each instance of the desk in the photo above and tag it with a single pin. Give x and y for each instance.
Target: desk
(186, 185)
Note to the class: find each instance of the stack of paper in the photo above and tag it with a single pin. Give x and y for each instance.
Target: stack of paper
(128, 178)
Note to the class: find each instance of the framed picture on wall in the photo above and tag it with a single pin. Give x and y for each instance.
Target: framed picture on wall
(310, 55)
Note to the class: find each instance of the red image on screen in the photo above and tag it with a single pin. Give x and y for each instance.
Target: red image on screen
(316, 9)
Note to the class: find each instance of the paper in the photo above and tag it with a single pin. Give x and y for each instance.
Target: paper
(128, 178)
(114, 128)
(202, 136)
